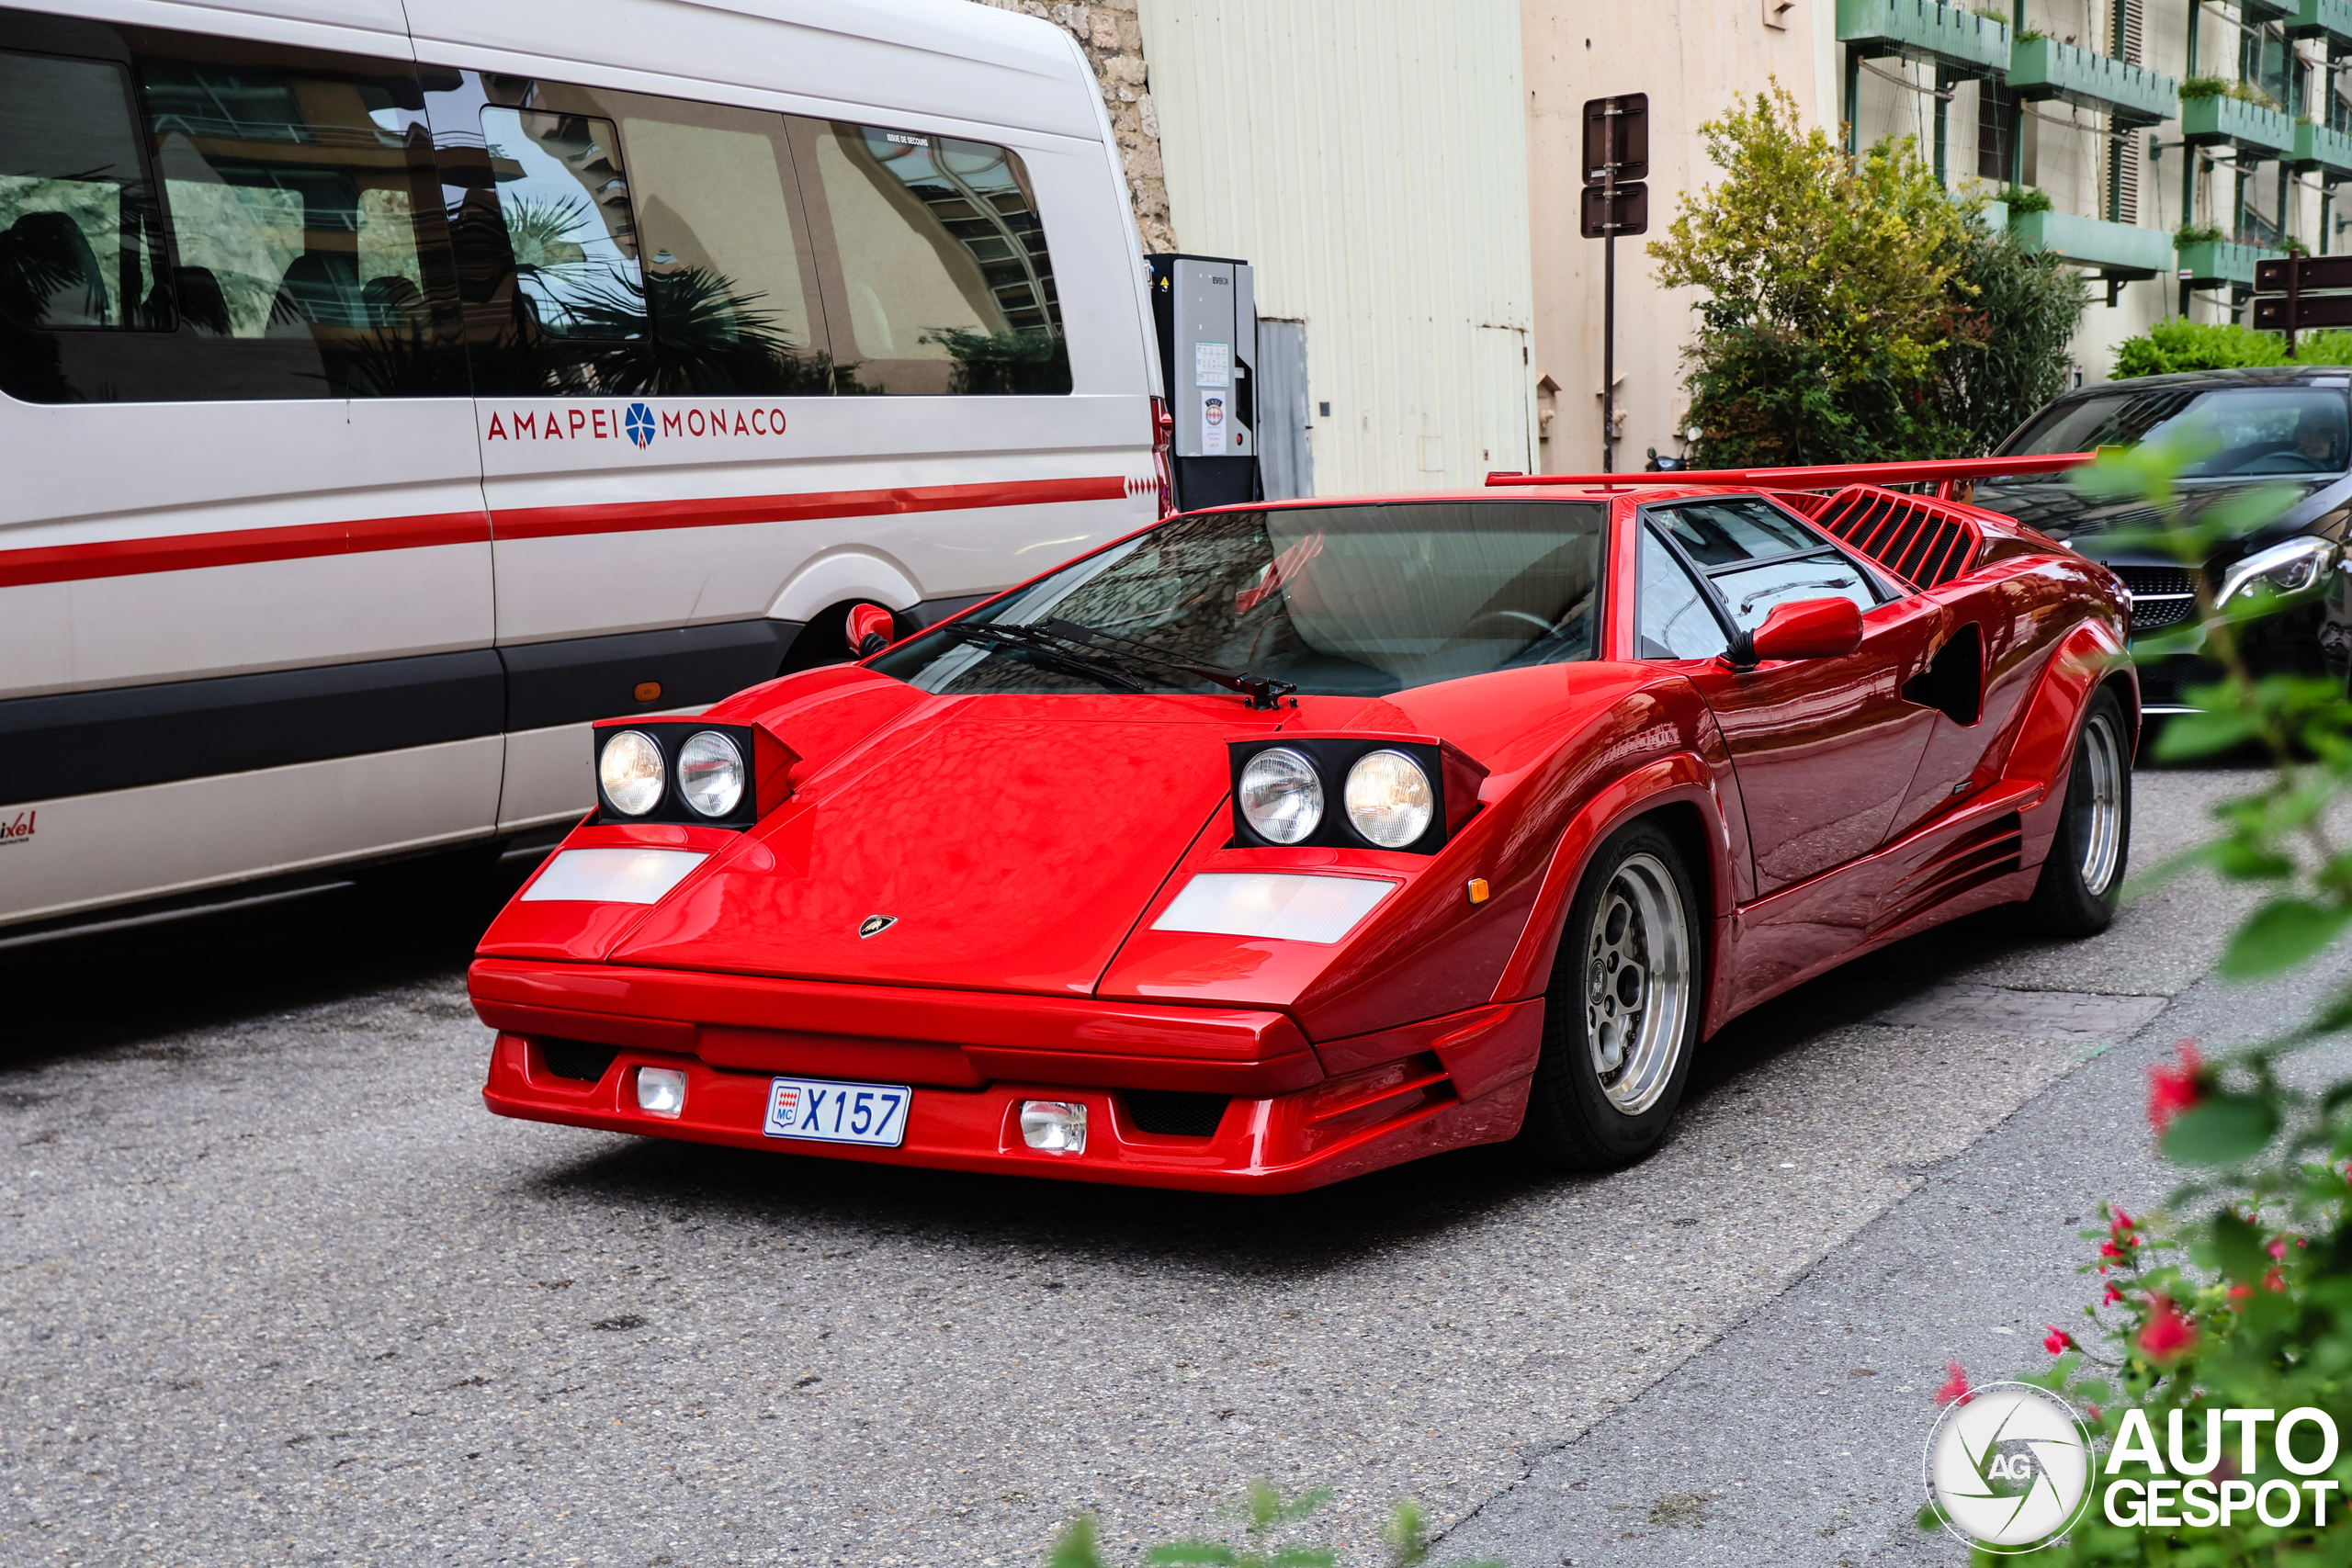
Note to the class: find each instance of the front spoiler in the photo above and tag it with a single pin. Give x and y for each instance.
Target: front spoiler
(1288, 1143)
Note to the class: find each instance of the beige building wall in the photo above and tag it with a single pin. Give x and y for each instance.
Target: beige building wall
(1370, 158)
(1693, 58)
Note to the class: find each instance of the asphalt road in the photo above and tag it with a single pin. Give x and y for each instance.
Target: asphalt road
(274, 1287)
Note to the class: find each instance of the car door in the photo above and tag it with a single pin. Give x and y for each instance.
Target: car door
(1825, 748)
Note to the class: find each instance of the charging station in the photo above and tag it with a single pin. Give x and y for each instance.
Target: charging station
(1206, 310)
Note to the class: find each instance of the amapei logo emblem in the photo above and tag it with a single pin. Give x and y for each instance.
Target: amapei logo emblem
(639, 422)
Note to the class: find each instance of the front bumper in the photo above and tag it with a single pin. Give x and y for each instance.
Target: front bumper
(1292, 1118)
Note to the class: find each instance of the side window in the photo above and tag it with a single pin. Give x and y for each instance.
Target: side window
(263, 218)
(1674, 620)
(1756, 557)
(80, 247)
(937, 275)
(615, 242)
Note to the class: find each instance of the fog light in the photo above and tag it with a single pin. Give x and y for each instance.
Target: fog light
(661, 1091)
(1057, 1126)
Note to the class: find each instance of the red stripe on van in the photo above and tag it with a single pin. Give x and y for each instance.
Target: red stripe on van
(188, 552)
(629, 517)
(242, 547)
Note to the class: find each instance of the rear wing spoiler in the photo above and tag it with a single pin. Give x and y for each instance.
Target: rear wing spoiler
(1952, 477)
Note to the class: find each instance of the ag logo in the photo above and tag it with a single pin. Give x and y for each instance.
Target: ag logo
(874, 925)
(2010, 1467)
(639, 422)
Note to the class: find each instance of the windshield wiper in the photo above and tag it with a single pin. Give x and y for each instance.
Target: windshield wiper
(1045, 652)
(1263, 691)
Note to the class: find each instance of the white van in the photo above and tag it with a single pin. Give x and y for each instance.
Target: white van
(388, 390)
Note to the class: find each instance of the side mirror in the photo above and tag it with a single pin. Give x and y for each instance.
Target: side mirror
(1810, 628)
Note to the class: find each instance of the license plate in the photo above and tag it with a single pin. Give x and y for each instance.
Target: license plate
(839, 1112)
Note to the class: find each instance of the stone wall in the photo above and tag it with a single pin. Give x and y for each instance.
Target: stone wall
(1113, 43)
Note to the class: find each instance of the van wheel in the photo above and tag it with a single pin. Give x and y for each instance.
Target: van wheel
(2082, 881)
(1621, 1018)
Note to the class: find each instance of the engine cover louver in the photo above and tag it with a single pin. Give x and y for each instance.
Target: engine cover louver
(1925, 542)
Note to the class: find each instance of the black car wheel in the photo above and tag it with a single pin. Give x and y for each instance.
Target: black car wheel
(1622, 1016)
(2083, 879)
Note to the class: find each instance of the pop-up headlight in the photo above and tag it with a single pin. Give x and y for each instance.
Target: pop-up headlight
(719, 775)
(1398, 792)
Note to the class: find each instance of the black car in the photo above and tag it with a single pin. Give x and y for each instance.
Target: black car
(2289, 426)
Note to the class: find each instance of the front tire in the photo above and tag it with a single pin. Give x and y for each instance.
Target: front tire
(1620, 1020)
(2082, 881)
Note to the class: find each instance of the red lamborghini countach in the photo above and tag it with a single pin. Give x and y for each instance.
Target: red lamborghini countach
(1275, 844)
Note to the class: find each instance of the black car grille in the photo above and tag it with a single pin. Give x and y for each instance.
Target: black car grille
(2161, 596)
(1172, 1113)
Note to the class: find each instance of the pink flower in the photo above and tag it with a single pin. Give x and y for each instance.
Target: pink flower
(2167, 1336)
(2121, 1222)
(2173, 1090)
(2112, 1296)
(2096, 1417)
(2057, 1341)
(2274, 1281)
(1955, 1390)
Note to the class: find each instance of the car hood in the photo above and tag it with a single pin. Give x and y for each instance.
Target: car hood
(2073, 519)
(1012, 843)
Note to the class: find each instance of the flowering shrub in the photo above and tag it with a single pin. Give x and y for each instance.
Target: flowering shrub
(2225, 1320)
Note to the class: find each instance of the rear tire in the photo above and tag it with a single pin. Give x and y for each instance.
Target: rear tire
(1621, 1018)
(2082, 881)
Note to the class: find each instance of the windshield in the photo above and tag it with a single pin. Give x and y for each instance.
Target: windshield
(2255, 431)
(1341, 600)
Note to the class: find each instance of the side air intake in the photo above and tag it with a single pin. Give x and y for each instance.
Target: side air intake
(1925, 542)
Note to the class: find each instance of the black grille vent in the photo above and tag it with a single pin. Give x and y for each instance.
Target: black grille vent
(1919, 539)
(577, 1059)
(2161, 595)
(1171, 1113)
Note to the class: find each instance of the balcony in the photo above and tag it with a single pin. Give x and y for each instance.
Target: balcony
(2267, 10)
(2250, 128)
(1924, 30)
(2330, 19)
(2117, 250)
(2210, 261)
(2044, 68)
(2329, 151)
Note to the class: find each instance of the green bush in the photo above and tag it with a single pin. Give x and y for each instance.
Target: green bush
(2177, 345)
(2205, 87)
(2026, 199)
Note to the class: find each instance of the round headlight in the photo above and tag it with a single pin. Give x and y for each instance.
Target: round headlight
(1281, 797)
(711, 772)
(630, 770)
(1390, 799)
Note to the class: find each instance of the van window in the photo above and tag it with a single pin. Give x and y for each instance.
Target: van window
(617, 243)
(570, 221)
(303, 251)
(937, 275)
(80, 247)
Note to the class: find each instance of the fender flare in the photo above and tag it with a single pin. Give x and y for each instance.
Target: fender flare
(1682, 778)
(2086, 659)
(845, 574)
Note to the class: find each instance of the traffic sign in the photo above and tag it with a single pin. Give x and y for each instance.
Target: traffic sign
(2309, 311)
(1610, 210)
(1617, 139)
(2283, 275)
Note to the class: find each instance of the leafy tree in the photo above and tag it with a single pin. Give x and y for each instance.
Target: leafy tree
(1829, 292)
(2009, 355)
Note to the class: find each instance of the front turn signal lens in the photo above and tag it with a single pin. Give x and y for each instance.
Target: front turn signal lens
(630, 772)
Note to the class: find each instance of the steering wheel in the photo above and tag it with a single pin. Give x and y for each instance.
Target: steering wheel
(1542, 627)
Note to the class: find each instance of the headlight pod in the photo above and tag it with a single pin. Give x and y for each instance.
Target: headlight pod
(2294, 568)
(1280, 797)
(711, 772)
(687, 771)
(632, 772)
(1390, 799)
(1407, 793)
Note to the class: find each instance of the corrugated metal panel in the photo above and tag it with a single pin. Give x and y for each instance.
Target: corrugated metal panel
(1370, 161)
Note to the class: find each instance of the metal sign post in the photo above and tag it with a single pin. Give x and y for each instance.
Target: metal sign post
(1616, 160)
(2305, 283)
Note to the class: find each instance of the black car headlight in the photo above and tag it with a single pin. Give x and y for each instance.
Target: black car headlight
(1407, 793)
(687, 771)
